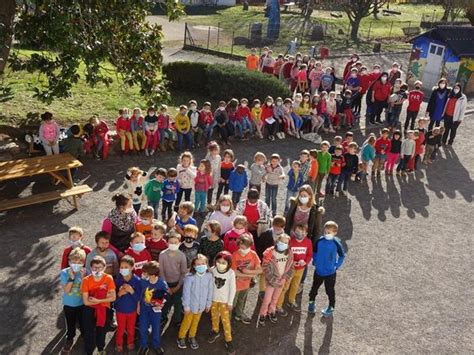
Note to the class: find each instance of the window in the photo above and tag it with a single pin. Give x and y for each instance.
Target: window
(440, 51)
(433, 49)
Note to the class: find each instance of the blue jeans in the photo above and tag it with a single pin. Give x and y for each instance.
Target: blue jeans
(155, 205)
(342, 181)
(236, 197)
(149, 317)
(238, 129)
(289, 194)
(189, 139)
(246, 124)
(297, 120)
(136, 207)
(200, 198)
(271, 192)
(331, 183)
(207, 131)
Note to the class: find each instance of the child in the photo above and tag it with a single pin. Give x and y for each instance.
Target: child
(211, 244)
(319, 113)
(367, 155)
(189, 246)
(137, 127)
(305, 164)
(154, 188)
(415, 99)
(183, 128)
(336, 142)
(98, 291)
(295, 181)
(206, 121)
(100, 138)
(173, 268)
(302, 249)
(279, 116)
(419, 141)
(273, 177)
(348, 139)
(221, 119)
(75, 235)
(393, 153)
(278, 267)
(157, 243)
(328, 256)
(256, 113)
(227, 165)
(71, 278)
(170, 190)
(197, 298)
(324, 164)
(151, 131)
(49, 134)
(202, 183)
(327, 80)
(144, 225)
(164, 131)
(73, 144)
(193, 115)
(138, 252)
(315, 77)
(257, 171)
(288, 117)
(382, 146)
(246, 265)
(102, 240)
(406, 153)
(238, 181)
(337, 162)
(223, 298)
(243, 116)
(313, 169)
(302, 77)
(433, 140)
(347, 103)
(154, 297)
(123, 129)
(267, 117)
(186, 174)
(214, 158)
(350, 167)
(134, 180)
(231, 238)
(331, 109)
(128, 295)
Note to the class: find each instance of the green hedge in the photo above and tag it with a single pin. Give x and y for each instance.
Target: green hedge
(222, 82)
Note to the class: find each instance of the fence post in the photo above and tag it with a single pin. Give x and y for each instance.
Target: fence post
(248, 37)
(370, 27)
(218, 30)
(391, 26)
(185, 33)
(232, 47)
(208, 36)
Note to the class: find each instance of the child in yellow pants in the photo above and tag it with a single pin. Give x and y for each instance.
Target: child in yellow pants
(197, 298)
(138, 132)
(123, 129)
(223, 298)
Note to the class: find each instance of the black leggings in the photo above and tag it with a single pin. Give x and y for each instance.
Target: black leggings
(187, 196)
(329, 284)
(410, 120)
(167, 210)
(73, 316)
(93, 335)
(210, 192)
(450, 129)
(378, 108)
(223, 186)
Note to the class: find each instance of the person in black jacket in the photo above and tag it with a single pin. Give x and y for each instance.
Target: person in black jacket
(351, 165)
(304, 210)
(437, 103)
(221, 118)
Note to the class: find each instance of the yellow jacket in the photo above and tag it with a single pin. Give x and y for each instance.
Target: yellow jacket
(183, 124)
(256, 113)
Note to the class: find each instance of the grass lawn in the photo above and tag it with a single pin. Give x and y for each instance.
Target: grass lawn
(235, 20)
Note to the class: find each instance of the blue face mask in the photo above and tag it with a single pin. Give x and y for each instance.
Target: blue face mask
(124, 272)
(281, 246)
(201, 269)
(138, 247)
(76, 267)
(207, 233)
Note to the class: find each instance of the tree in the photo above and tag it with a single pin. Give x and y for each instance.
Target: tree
(93, 38)
(453, 9)
(356, 10)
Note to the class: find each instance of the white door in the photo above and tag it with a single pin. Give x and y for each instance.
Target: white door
(434, 61)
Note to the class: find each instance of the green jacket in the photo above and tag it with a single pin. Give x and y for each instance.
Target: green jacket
(324, 161)
(153, 190)
(73, 146)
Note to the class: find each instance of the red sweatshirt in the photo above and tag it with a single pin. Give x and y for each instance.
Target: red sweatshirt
(267, 112)
(337, 162)
(230, 241)
(322, 106)
(302, 250)
(415, 99)
(67, 251)
(140, 258)
(156, 247)
(163, 122)
(122, 124)
(365, 81)
(382, 144)
(381, 91)
(242, 112)
(205, 117)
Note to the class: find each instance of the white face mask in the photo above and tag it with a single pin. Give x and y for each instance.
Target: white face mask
(225, 209)
(97, 274)
(151, 113)
(303, 199)
(376, 71)
(257, 105)
(353, 75)
(329, 237)
(222, 108)
(383, 79)
(145, 222)
(129, 210)
(279, 103)
(244, 251)
(221, 267)
(173, 247)
(125, 115)
(243, 105)
(193, 107)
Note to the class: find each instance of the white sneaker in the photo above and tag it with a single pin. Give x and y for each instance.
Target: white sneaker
(282, 134)
(152, 152)
(147, 153)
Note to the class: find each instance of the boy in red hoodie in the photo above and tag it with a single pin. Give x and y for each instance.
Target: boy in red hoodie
(206, 121)
(382, 147)
(243, 116)
(75, 235)
(138, 252)
(415, 99)
(124, 129)
(302, 249)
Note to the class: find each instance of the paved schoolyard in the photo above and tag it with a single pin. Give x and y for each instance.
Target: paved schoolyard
(406, 286)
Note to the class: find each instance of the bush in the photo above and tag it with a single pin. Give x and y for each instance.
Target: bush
(222, 82)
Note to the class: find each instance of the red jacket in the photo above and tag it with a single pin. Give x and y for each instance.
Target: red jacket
(122, 124)
(67, 251)
(365, 81)
(302, 250)
(242, 112)
(322, 106)
(205, 118)
(163, 122)
(140, 258)
(382, 144)
(286, 70)
(337, 162)
(415, 99)
(381, 91)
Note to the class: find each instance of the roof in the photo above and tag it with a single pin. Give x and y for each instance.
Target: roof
(459, 38)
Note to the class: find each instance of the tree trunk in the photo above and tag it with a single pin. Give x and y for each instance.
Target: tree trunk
(447, 11)
(470, 13)
(376, 9)
(7, 14)
(355, 28)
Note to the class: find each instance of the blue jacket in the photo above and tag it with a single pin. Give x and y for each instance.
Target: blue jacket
(128, 302)
(170, 189)
(328, 256)
(197, 292)
(153, 294)
(237, 182)
(294, 184)
(368, 153)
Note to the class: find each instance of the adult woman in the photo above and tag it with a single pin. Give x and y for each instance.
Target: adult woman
(379, 94)
(304, 210)
(453, 113)
(438, 99)
(120, 223)
(224, 213)
(257, 212)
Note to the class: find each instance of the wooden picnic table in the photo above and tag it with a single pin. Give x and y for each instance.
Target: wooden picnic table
(46, 164)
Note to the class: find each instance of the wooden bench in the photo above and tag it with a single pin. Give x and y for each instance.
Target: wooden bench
(411, 31)
(76, 191)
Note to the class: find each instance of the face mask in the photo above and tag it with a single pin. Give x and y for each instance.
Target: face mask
(145, 277)
(125, 272)
(442, 86)
(363, 72)
(207, 233)
(145, 222)
(244, 251)
(376, 71)
(125, 115)
(151, 113)
(329, 237)
(193, 107)
(138, 247)
(173, 247)
(257, 105)
(221, 108)
(280, 246)
(303, 199)
(200, 269)
(137, 115)
(239, 230)
(188, 240)
(348, 97)
(76, 267)
(225, 209)
(97, 274)
(353, 75)
(243, 105)
(269, 103)
(383, 79)
(298, 235)
(75, 244)
(182, 113)
(456, 90)
(129, 210)
(279, 103)
(221, 267)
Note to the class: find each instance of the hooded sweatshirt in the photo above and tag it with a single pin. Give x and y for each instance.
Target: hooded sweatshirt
(328, 255)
